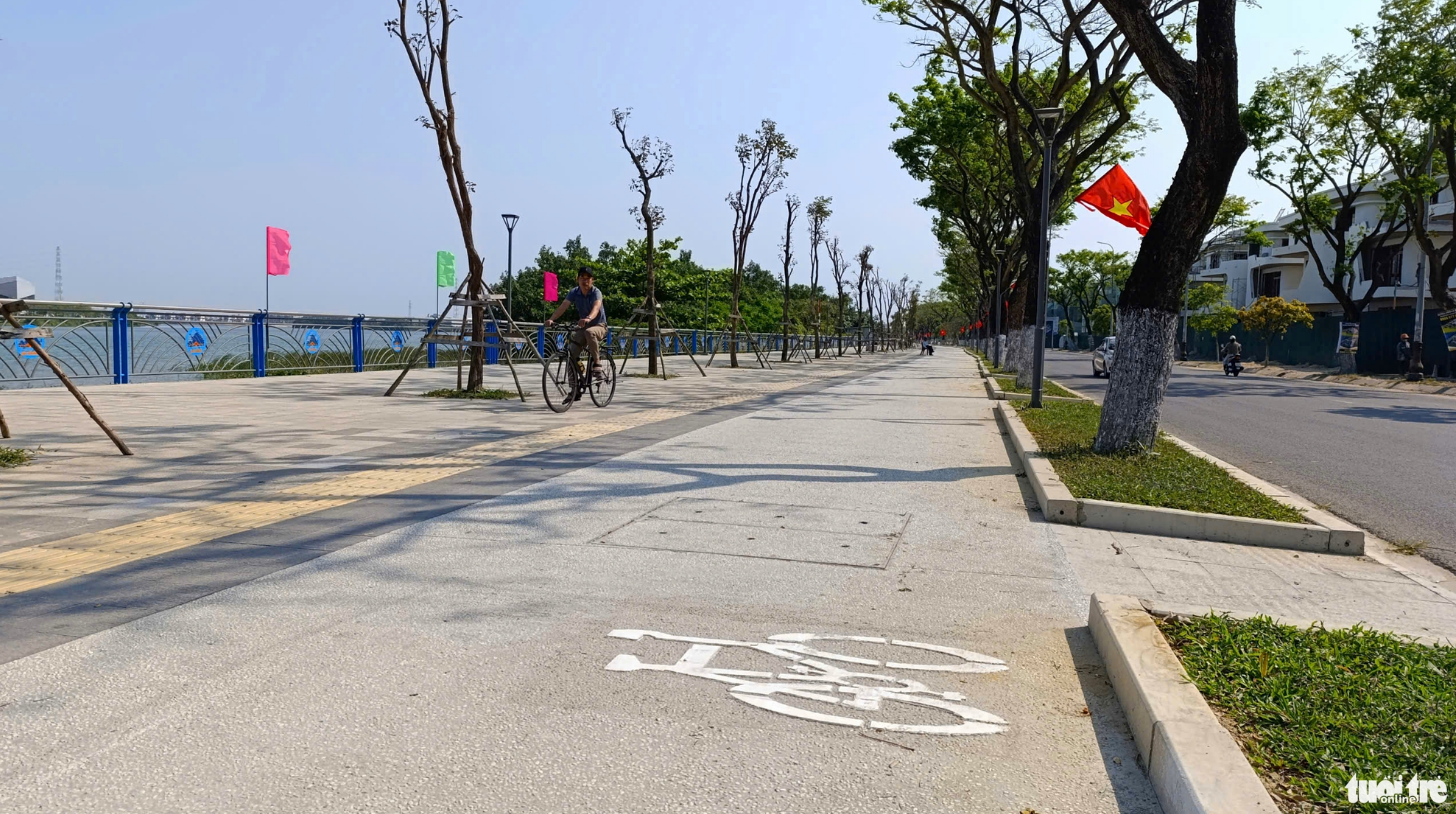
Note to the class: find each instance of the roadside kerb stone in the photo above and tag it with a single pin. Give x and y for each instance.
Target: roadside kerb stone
(1345, 538)
(1338, 538)
(995, 392)
(1054, 498)
(1193, 763)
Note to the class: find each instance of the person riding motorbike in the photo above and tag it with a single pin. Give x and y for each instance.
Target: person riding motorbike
(1233, 354)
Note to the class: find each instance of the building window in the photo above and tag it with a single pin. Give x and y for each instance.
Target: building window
(1213, 260)
(1269, 284)
(1283, 241)
(1381, 266)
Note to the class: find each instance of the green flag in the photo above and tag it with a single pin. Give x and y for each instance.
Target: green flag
(444, 270)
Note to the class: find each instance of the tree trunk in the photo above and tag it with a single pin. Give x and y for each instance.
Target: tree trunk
(1027, 340)
(1138, 379)
(1205, 94)
(732, 319)
(476, 291)
(784, 351)
(652, 328)
(1346, 361)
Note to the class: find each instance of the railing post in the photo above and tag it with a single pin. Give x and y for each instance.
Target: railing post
(541, 341)
(695, 341)
(430, 350)
(492, 343)
(356, 340)
(120, 345)
(260, 344)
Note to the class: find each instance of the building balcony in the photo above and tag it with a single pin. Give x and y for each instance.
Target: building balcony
(1295, 250)
(1264, 261)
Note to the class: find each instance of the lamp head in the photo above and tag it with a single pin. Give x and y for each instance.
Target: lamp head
(510, 221)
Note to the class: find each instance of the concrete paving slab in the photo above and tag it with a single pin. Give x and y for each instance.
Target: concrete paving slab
(441, 671)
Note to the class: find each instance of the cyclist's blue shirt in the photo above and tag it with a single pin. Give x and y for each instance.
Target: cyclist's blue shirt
(584, 303)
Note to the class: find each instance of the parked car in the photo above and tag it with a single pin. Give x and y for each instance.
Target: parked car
(1102, 357)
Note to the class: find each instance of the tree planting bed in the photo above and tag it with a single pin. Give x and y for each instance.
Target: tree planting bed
(1313, 707)
(1169, 477)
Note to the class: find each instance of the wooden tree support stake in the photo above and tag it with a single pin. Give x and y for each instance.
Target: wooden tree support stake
(19, 305)
(654, 339)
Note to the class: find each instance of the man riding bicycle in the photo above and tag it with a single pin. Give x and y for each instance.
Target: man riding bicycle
(591, 325)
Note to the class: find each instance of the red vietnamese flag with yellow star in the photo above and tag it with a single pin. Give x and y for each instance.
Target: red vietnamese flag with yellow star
(1117, 197)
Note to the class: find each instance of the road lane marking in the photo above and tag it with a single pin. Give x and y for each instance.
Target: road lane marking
(812, 675)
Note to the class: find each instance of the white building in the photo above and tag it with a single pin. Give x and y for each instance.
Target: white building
(1285, 269)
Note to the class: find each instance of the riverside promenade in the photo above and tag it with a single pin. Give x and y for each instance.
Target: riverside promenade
(821, 588)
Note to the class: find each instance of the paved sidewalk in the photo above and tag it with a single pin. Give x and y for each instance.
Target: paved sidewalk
(196, 442)
(461, 663)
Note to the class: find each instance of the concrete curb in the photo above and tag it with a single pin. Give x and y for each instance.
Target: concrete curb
(1394, 386)
(1326, 534)
(1054, 498)
(1193, 763)
(995, 392)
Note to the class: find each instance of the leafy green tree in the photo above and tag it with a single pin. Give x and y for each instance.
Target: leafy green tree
(1311, 145)
(1102, 320)
(1271, 317)
(1405, 97)
(1209, 311)
(1062, 56)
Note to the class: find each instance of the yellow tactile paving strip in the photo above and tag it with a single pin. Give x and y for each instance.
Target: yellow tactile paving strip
(31, 567)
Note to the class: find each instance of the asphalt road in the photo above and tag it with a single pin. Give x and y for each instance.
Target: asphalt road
(1384, 460)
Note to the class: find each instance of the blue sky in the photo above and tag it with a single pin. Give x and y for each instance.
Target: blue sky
(153, 141)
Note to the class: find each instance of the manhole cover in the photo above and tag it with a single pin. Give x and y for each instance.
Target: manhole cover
(813, 534)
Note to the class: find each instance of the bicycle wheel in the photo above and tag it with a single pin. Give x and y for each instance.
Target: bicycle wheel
(602, 389)
(558, 382)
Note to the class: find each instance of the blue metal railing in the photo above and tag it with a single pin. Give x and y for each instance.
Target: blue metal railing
(121, 343)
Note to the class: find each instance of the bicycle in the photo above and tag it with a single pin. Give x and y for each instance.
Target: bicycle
(564, 382)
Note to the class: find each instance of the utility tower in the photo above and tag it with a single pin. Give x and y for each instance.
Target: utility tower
(59, 294)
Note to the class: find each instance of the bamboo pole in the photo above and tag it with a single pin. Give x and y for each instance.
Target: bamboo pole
(56, 368)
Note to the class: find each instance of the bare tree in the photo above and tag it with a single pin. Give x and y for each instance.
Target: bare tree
(761, 173)
(866, 272)
(818, 213)
(840, 268)
(428, 52)
(1205, 93)
(652, 158)
(786, 254)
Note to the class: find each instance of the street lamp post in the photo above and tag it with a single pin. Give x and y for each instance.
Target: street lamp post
(510, 222)
(1046, 119)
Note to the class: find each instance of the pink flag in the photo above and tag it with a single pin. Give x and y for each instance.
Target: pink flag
(551, 286)
(278, 249)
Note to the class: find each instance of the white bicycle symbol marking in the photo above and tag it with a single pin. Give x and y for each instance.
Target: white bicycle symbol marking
(812, 677)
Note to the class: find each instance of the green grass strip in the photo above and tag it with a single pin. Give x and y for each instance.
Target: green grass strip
(1048, 387)
(487, 393)
(1168, 478)
(1312, 707)
(11, 457)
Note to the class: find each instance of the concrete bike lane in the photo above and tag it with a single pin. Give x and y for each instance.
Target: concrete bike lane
(838, 603)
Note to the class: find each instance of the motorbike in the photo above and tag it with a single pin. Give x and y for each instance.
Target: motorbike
(1231, 366)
